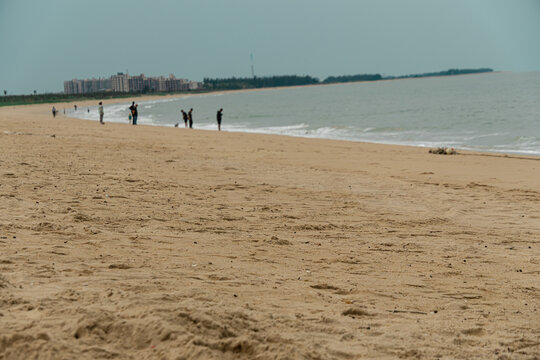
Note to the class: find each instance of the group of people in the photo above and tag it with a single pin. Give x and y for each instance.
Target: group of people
(55, 110)
(133, 114)
(188, 118)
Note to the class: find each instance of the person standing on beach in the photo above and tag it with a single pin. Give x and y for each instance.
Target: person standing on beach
(54, 111)
(101, 112)
(219, 116)
(135, 114)
(133, 109)
(185, 117)
(75, 106)
(190, 118)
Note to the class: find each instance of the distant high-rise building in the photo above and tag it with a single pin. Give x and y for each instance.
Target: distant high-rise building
(194, 85)
(136, 83)
(87, 86)
(125, 83)
(120, 82)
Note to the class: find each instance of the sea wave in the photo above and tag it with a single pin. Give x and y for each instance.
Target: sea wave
(389, 135)
(389, 113)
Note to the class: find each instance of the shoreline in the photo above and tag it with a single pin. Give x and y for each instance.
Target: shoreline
(151, 98)
(513, 153)
(461, 151)
(142, 242)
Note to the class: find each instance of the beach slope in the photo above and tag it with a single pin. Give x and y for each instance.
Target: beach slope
(141, 242)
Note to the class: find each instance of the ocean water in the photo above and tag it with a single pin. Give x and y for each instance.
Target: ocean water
(498, 112)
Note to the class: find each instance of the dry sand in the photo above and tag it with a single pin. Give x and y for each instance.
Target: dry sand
(146, 242)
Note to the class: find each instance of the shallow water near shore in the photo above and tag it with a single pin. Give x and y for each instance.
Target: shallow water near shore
(496, 112)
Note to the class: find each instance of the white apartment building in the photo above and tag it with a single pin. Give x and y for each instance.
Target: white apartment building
(126, 83)
(120, 82)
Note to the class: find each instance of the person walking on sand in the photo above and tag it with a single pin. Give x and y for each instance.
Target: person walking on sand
(101, 112)
(219, 116)
(190, 118)
(54, 111)
(185, 117)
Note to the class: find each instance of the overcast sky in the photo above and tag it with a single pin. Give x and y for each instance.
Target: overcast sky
(44, 42)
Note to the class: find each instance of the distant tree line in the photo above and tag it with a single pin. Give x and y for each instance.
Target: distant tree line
(234, 83)
(54, 97)
(10, 100)
(258, 82)
(352, 78)
(449, 72)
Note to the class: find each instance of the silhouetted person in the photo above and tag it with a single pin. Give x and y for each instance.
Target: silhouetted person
(54, 111)
(88, 109)
(190, 118)
(101, 112)
(75, 106)
(134, 113)
(219, 116)
(131, 108)
(185, 117)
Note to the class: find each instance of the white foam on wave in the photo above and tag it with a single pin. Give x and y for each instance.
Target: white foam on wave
(523, 145)
(297, 130)
(159, 101)
(117, 113)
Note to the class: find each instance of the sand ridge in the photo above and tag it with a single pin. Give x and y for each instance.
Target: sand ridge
(146, 242)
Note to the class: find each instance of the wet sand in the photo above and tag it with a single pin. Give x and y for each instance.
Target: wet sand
(142, 242)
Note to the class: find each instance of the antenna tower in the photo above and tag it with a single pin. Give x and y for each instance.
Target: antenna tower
(252, 67)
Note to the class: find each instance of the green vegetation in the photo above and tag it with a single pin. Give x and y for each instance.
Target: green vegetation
(48, 98)
(227, 84)
(450, 72)
(352, 78)
(291, 80)
(8, 100)
(258, 82)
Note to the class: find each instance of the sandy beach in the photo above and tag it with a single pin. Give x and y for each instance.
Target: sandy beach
(146, 242)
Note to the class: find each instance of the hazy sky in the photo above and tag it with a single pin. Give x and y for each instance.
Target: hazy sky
(44, 42)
